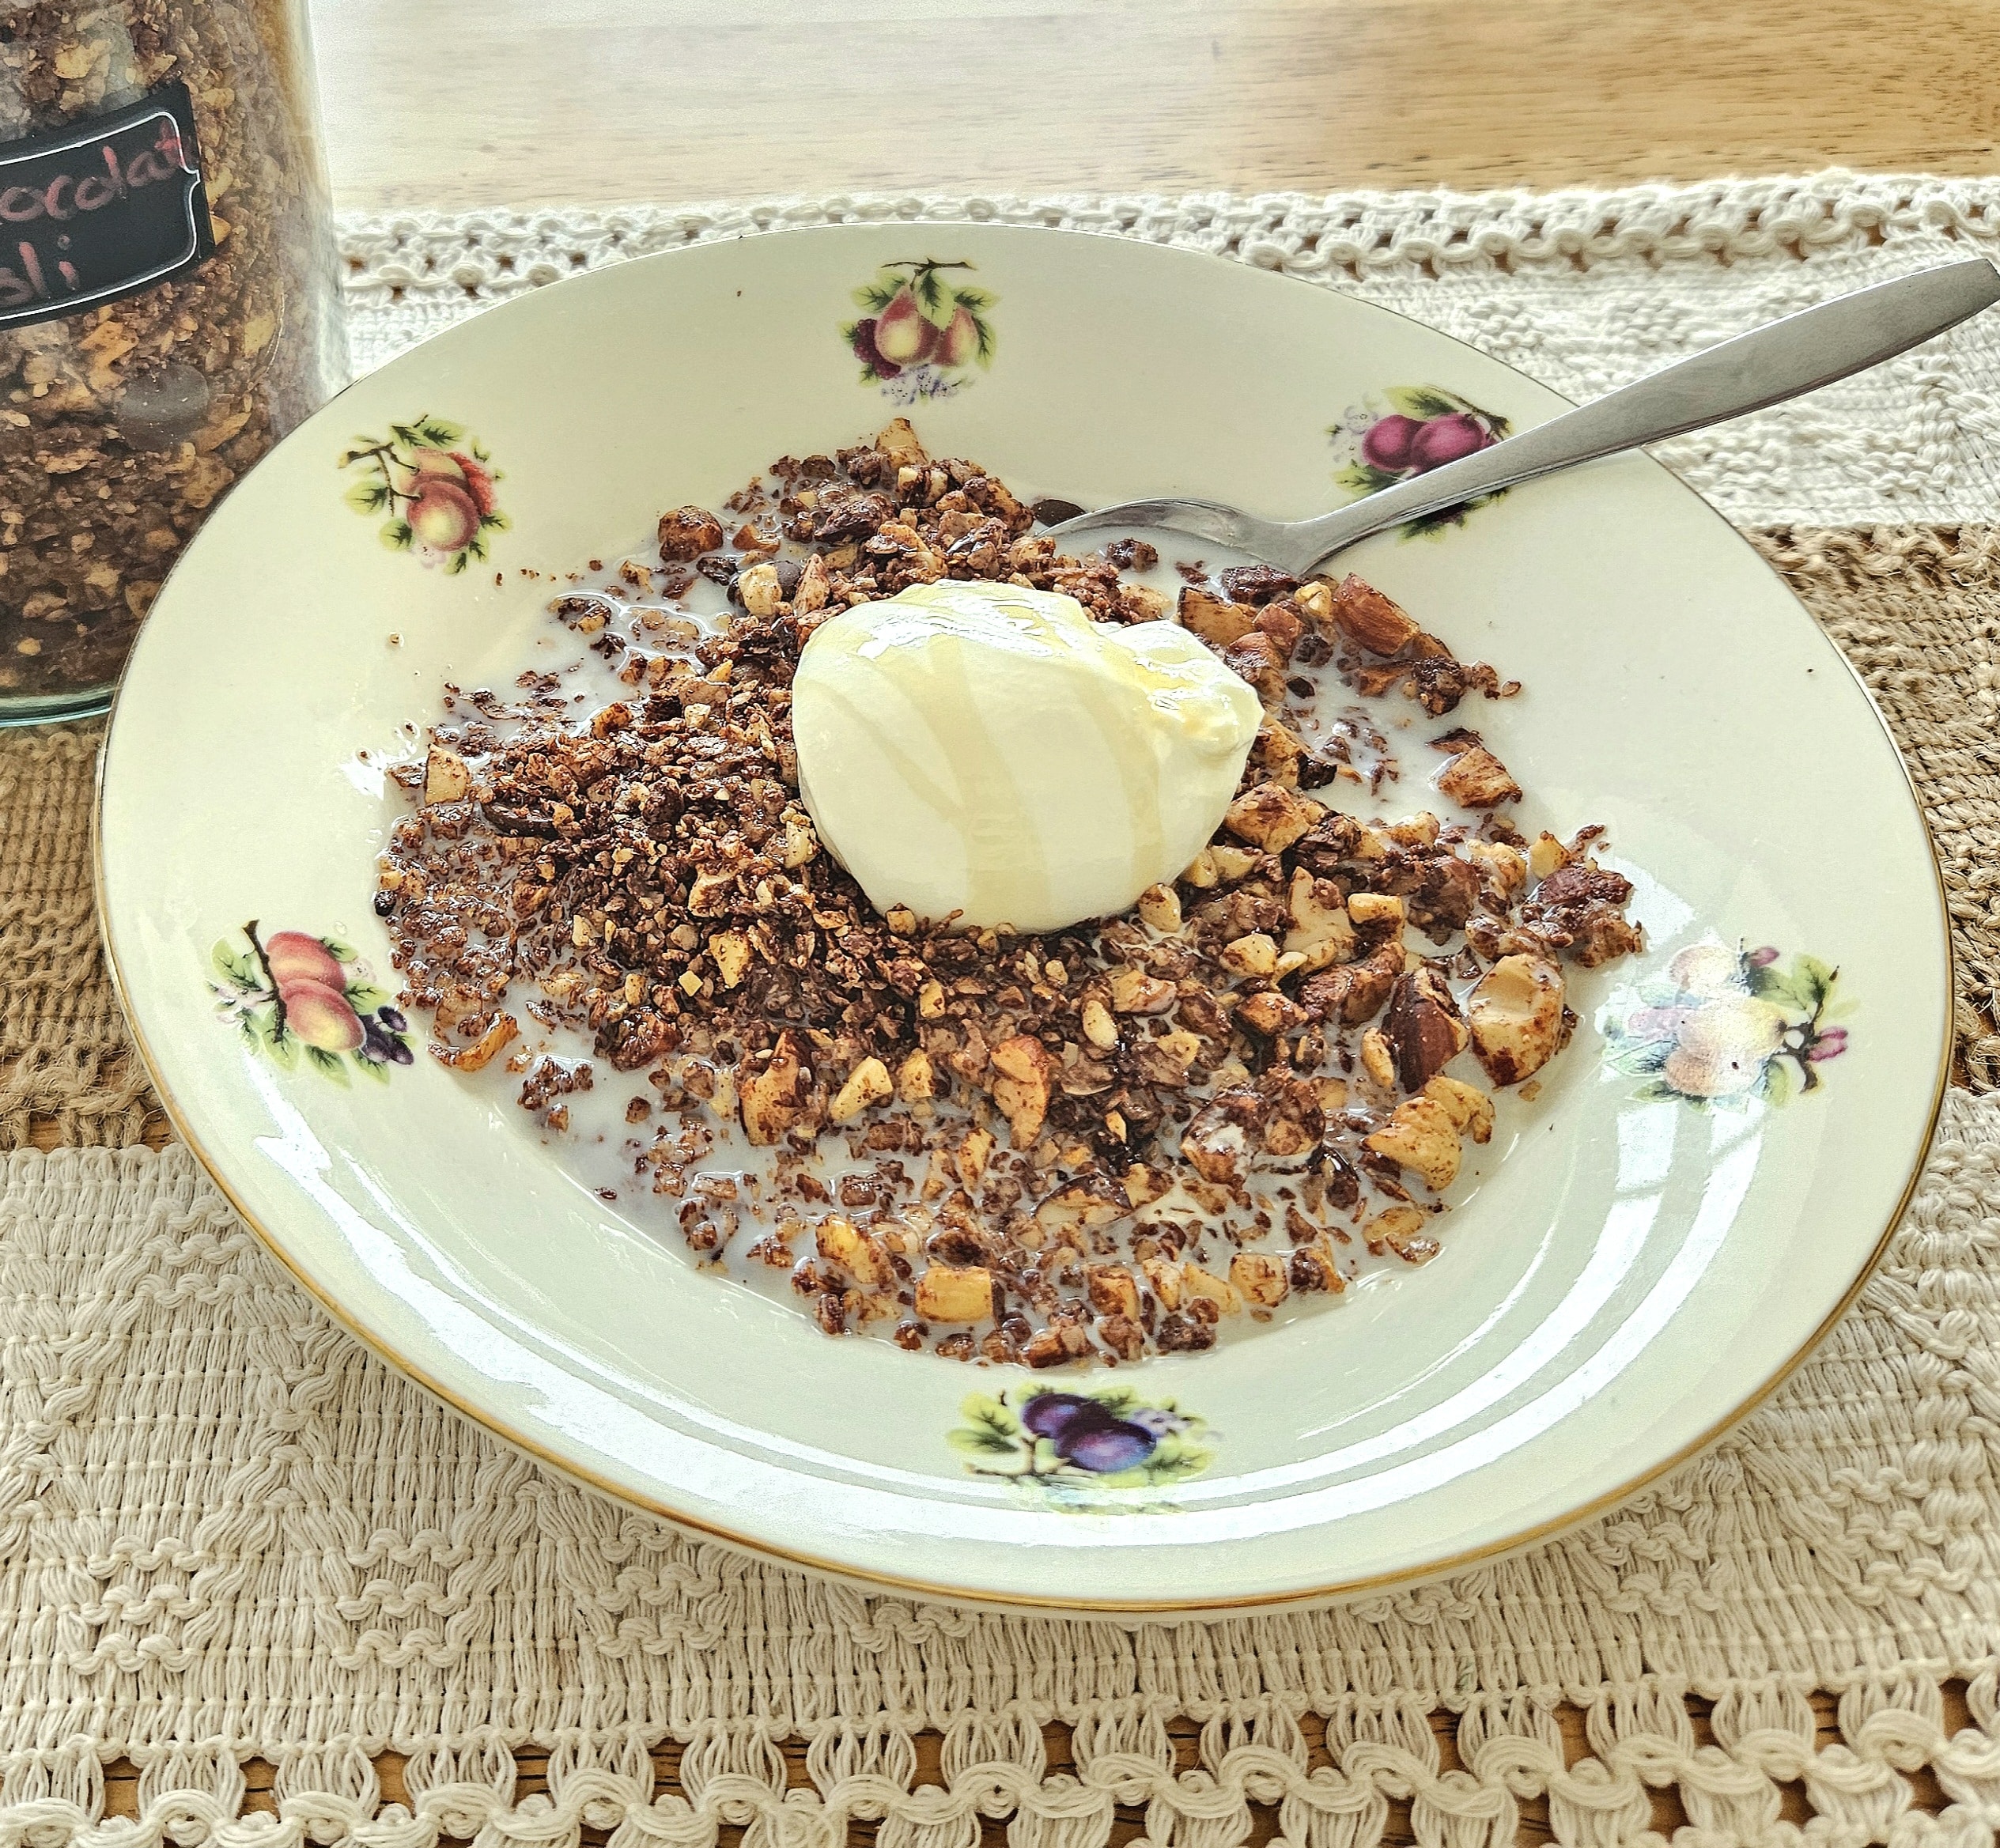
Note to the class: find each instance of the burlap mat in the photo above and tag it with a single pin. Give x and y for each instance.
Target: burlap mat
(1916, 608)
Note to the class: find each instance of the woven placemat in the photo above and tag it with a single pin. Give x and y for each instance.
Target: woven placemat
(249, 1562)
(228, 1532)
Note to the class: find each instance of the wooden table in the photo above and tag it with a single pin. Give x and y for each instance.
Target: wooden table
(462, 103)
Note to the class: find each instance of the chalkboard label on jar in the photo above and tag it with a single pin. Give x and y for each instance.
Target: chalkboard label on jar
(99, 209)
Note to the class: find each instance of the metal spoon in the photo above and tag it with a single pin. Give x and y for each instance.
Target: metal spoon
(1766, 366)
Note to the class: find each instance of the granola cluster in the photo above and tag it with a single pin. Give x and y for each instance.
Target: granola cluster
(120, 426)
(1083, 1145)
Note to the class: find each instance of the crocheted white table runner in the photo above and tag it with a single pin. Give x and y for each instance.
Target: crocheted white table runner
(226, 1531)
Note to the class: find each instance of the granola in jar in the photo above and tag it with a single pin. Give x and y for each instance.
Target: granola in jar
(122, 420)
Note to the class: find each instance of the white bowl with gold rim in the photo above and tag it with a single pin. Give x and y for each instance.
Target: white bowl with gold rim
(1643, 1251)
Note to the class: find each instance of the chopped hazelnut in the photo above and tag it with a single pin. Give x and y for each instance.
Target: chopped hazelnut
(1546, 854)
(1421, 1136)
(1217, 1142)
(1313, 1267)
(1422, 1027)
(1182, 1047)
(1219, 622)
(1377, 1060)
(1475, 778)
(1254, 953)
(1201, 873)
(1314, 600)
(759, 587)
(1144, 1185)
(947, 1293)
(1515, 1012)
(1401, 1230)
(861, 1255)
(446, 776)
(1160, 907)
(774, 1101)
(800, 842)
(1369, 908)
(1099, 1028)
(1112, 1290)
(899, 439)
(1370, 619)
(1272, 817)
(731, 953)
(1022, 1089)
(1505, 867)
(1470, 1108)
(1082, 1206)
(1270, 1013)
(1205, 1286)
(1259, 1278)
(1134, 991)
(973, 1155)
(1321, 931)
(868, 1085)
(915, 1080)
(809, 594)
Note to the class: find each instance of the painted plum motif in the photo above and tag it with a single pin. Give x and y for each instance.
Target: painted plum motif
(1723, 1026)
(295, 997)
(1055, 1443)
(1407, 430)
(921, 330)
(437, 487)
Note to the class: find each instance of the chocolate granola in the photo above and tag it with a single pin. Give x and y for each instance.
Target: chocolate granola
(1082, 1145)
(120, 426)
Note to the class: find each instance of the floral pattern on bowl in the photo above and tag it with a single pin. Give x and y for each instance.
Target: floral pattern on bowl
(921, 330)
(437, 486)
(295, 997)
(1723, 1026)
(1052, 1444)
(1406, 430)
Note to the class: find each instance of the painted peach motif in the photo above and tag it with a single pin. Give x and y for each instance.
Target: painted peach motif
(436, 485)
(294, 996)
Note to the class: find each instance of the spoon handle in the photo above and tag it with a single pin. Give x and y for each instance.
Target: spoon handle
(1766, 366)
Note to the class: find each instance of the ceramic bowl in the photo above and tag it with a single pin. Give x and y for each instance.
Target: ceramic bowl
(1643, 1251)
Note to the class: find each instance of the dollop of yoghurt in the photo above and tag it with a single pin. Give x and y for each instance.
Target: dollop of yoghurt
(988, 751)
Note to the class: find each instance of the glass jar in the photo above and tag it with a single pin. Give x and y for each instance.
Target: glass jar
(169, 306)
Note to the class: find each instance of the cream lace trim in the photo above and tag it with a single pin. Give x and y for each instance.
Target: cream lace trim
(1584, 290)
